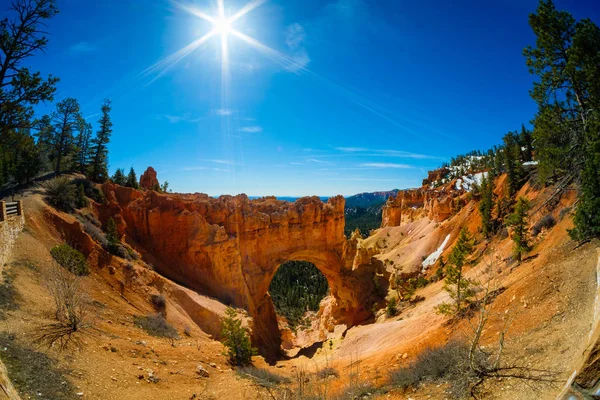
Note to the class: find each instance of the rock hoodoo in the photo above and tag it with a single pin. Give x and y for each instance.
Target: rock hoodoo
(148, 180)
(231, 247)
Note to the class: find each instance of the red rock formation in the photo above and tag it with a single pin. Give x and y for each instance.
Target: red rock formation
(435, 175)
(437, 204)
(231, 247)
(148, 179)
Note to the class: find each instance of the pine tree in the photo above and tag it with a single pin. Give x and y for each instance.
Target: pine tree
(21, 36)
(461, 289)
(119, 177)
(28, 159)
(82, 146)
(526, 143)
(99, 167)
(65, 119)
(165, 187)
(487, 204)
(236, 340)
(81, 201)
(587, 215)
(518, 220)
(512, 163)
(112, 235)
(132, 181)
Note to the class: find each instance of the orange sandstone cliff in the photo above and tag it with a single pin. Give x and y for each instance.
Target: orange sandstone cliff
(231, 247)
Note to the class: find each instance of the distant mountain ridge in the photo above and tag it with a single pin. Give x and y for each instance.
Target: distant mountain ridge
(369, 199)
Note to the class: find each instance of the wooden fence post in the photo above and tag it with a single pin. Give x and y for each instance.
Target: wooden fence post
(2, 210)
(19, 207)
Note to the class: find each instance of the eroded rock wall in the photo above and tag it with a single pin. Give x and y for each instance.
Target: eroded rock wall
(231, 247)
(437, 204)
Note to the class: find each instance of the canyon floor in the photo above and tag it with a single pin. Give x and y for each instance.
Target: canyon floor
(549, 298)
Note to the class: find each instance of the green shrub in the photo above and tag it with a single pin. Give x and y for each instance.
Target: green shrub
(70, 259)
(236, 340)
(112, 236)
(392, 308)
(61, 193)
(81, 201)
(155, 325)
(90, 190)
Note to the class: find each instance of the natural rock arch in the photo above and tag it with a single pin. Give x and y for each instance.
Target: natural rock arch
(231, 247)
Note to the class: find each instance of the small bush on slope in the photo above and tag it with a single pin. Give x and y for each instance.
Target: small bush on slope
(61, 193)
(546, 222)
(156, 325)
(70, 259)
(263, 377)
(236, 340)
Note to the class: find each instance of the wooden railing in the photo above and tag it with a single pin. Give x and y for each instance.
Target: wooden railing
(8, 209)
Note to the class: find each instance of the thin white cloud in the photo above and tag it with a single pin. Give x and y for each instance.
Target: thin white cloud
(193, 168)
(316, 161)
(295, 37)
(175, 119)
(364, 179)
(388, 153)
(223, 112)
(83, 47)
(296, 163)
(251, 129)
(223, 162)
(386, 165)
(351, 149)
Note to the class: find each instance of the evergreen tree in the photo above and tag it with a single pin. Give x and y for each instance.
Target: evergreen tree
(518, 220)
(526, 143)
(566, 59)
(65, 119)
(119, 177)
(487, 204)
(165, 187)
(461, 289)
(21, 36)
(99, 168)
(587, 215)
(236, 340)
(132, 181)
(512, 163)
(82, 146)
(81, 201)
(112, 235)
(28, 159)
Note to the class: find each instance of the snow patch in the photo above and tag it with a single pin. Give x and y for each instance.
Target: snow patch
(433, 257)
(530, 163)
(468, 181)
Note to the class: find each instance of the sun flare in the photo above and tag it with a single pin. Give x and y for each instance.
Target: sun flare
(222, 26)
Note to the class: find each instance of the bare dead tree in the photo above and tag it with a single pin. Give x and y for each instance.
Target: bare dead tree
(72, 308)
(486, 364)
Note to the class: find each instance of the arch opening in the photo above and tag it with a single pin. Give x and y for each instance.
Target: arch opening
(297, 290)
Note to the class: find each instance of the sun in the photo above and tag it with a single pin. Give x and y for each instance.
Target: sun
(222, 26)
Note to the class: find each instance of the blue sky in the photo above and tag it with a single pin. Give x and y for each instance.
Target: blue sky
(369, 95)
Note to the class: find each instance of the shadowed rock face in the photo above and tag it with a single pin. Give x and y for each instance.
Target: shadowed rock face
(231, 247)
